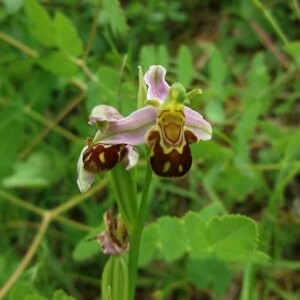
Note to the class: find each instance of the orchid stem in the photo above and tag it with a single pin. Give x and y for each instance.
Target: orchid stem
(137, 233)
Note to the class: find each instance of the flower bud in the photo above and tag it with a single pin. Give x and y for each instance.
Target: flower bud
(114, 285)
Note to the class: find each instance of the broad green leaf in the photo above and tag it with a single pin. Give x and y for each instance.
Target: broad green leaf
(149, 244)
(116, 17)
(293, 49)
(198, 242)
(11, 132)
(88, 247)
(21, 290)
(229, 238)
(38, 171)
(172, 238)
(42, 28)
(256, 101)
(147, 57)
(61, 295)
(217, 71)
(163, 56)
(185, 66)
(35, 297)
(233, 237)
(214, 110)
(12, 6)
(66, 35)
(57, 63)
(258, 81)
(209, 273)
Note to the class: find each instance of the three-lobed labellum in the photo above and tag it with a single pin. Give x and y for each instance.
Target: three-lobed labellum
(98, 158)
(170, 155)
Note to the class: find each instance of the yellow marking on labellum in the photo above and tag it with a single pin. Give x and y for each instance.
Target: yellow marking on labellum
(180, 169)
(102, 157)
(167, 166)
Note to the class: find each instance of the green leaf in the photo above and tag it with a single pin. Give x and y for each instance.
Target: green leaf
(12, 6)
(88, 248)
(147, 57)
(11, 132)
(209, 273)
(214, 110)
(172, 238)
(21, 290)
(61, 295)
(57, 63)
(35, 297)
(42, 27)
(149, 244)
(185, 67)
(229, 238)
(116, 17)
(163, 56)
(217, 71)
(233, 237)
(198, 242)
(293, 48)
(38, 171)
(66, 35)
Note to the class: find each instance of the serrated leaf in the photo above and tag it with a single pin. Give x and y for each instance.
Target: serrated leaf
(147, 57)
(66, 35)
(198, 243)
(163, 56)
(233, 237)
(229, 238)
(87, 248)
(61, 295)
(172, 238)
(149, 244)
(185, 66)
(209, 273)
(57, 63)
(217, 71)
(42, 28)
(116, 17)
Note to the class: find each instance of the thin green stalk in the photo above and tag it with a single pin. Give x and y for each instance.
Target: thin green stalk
(137, 233)
(272, 21)
(27, 257)
(247, 282)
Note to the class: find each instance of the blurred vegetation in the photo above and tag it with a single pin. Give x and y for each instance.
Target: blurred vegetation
(60, 58)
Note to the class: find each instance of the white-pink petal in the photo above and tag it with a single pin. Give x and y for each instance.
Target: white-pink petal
(85, 178)
(196, 123)
(130, 130)
(102, 113)
(157, 86)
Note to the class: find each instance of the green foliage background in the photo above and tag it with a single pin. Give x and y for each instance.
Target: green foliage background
(58, 59)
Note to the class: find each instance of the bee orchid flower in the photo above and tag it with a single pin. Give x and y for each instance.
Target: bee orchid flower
(165, 124)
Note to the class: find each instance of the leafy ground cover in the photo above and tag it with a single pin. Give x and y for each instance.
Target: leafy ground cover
(230, 228)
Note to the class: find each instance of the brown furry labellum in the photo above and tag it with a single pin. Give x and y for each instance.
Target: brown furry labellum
(98, 158)
(169, 141)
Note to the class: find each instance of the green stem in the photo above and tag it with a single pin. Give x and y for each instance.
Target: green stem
(247, 282)
(124, 187)
(137, 233)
